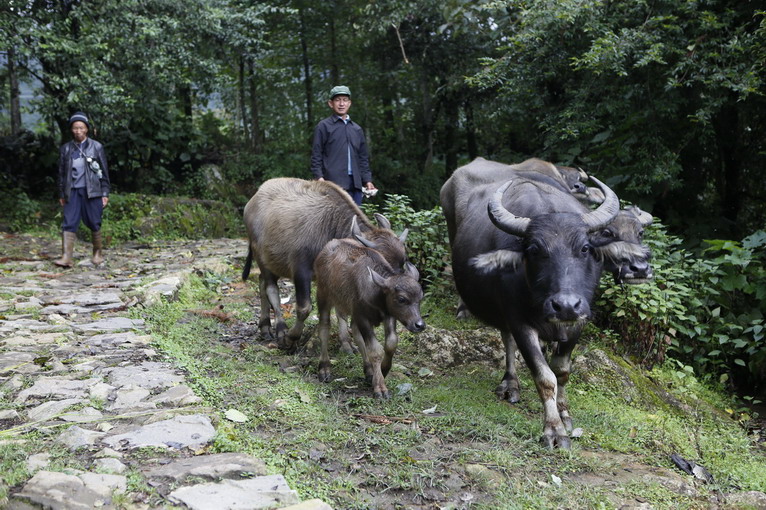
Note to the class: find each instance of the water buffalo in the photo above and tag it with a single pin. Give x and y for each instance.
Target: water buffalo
(288, 223)
(357, 281)
(524, 262)
(620, 244)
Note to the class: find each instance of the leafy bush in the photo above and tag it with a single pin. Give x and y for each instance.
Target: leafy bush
(427, 242)
(134, 216)
(706, 310)
(21, 212)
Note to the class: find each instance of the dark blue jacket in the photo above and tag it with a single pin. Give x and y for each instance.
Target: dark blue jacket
(329, 152)
(95, 186)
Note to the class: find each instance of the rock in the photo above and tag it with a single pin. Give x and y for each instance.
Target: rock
(48, 410)
(110, 324)
(110, 465)
(261, 492)
(75, 437)
(451, 348)
(180, 395)
(182, 431)
(38, 461)
(747, 499)
(149, 375)
(60, 491)
(57, 387)
(211, 467)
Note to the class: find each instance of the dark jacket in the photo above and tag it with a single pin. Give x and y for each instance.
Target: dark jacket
(95, 186)
(329, 153)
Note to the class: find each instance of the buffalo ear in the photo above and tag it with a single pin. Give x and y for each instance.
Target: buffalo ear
(411, 270)
(643, 217)
(497, 260)
(376, 278)
(382, 221)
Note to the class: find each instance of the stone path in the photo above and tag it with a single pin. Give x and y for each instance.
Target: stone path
(75, 368)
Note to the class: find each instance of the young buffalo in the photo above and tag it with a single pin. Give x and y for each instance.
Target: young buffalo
(358, 282)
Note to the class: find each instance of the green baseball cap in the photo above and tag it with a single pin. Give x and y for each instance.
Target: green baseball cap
(340, 90)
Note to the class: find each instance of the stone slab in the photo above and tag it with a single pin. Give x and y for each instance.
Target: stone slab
(191, 431)
(257, 493)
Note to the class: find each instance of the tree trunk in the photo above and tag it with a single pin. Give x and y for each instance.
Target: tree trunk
(470, 125)
(334, 72)
(242, 102)
(257, 140)
(14, 85)
(727, 132)
(306, 71)
(450, 138)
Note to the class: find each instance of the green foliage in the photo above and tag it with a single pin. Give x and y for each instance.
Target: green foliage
(23, 213)
(427, 243)
(707, 309)
(134, 216)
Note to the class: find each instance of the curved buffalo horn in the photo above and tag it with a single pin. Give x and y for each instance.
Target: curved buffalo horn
(583, 175)
(382, 221)
(366, 242)
(355, 231)
(606, 211)
(403, 235)
(502, 217)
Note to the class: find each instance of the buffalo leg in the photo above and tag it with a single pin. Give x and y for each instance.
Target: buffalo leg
(363, 351)
(561, 364)
(343, 335)
(324, 337)
(269, 290)
(374, 353)
(302, 281)
(389, 345)
(554, 432)
(508, 389)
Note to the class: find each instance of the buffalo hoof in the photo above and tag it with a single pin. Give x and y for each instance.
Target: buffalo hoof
(287, 345)
(348, 348)
(567, 421)
(555, 441)
(504, 391)
(381, 395)
(324, 374)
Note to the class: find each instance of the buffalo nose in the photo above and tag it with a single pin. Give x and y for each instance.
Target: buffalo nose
(418, 326)
(568, 307)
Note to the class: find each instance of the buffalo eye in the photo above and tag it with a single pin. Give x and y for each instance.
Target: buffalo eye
(401, 300)
(640, 234)
(586, 248)
(607, 233)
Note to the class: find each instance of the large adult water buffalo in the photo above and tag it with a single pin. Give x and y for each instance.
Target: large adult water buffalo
(288, 223)
(524, 262)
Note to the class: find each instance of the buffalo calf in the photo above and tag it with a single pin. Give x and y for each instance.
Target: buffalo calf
(358, 282)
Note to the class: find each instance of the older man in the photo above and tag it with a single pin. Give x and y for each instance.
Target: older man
(339, 152)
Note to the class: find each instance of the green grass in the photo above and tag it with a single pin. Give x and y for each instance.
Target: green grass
(310, 431)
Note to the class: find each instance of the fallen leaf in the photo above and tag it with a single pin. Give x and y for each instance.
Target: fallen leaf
(236, 416)
(556, 480)
(425, 372)
(305, 397)
(430, 410)
(577, 433)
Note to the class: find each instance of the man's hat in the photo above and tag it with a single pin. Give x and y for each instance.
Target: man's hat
(79, 117)
(340, 90)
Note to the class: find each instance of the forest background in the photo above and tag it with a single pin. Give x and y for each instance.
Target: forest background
(663, 100)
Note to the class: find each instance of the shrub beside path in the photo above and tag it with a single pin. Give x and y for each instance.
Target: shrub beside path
(82, 375)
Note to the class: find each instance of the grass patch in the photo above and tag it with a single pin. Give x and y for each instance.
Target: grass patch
(467, 444)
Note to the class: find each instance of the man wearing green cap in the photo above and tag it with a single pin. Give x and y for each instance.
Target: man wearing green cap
(339, 152)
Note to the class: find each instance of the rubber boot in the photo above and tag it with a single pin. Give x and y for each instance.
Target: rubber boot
(67, 248)
(97, 258)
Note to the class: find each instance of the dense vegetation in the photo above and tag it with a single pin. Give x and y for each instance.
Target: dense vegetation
(208, 98)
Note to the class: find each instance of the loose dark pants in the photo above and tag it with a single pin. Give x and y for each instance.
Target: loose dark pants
(80, 207)
(355, 193)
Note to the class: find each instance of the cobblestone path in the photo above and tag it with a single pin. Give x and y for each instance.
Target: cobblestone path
(76, 369)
